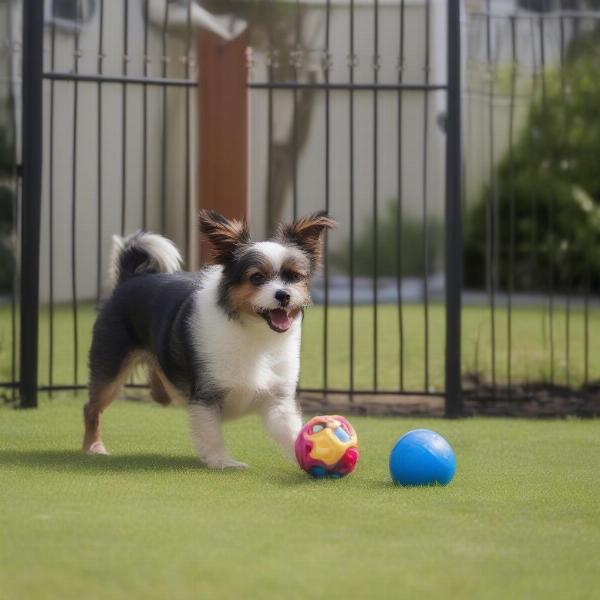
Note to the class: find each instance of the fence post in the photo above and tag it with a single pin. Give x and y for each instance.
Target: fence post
(33, 40)
(454, 400)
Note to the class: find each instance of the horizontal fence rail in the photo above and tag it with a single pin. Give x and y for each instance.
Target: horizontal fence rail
(125, 79)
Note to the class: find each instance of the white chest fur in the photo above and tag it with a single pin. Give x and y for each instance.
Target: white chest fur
(244, 356)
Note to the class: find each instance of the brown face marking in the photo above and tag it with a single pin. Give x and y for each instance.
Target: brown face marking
(307, 233)
(240, 298)
(265, 272)
(297, 266)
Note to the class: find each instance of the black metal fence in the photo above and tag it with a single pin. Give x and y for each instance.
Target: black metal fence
(356, 109)
(369, 68)
(98, 80)
(530, 200)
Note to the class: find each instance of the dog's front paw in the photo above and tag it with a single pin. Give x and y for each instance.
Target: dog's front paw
(225, 463)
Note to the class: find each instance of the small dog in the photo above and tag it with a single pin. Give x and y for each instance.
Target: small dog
(224, 341)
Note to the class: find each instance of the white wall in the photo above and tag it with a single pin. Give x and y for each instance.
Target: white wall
(87, 156)
(311, 163)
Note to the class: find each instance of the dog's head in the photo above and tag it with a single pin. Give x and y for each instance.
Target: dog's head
(266, 280)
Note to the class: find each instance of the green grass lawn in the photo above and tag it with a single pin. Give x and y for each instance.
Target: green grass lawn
(520, 520)
(531, 348)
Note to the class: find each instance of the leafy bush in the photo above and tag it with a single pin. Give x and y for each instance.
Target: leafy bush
(552, 181)
(412, 251)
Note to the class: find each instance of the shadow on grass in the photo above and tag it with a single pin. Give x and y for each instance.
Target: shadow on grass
(72, 460)
(75, 460)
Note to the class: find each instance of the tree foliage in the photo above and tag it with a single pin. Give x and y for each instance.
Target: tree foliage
(546, 197)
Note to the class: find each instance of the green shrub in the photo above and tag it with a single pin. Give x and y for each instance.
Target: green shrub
(412, 251)
(553, 182)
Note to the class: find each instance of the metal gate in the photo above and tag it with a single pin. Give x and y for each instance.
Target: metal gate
(327, 83)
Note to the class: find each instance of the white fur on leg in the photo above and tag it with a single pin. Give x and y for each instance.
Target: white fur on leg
(97, 448)
(283, 421)
(208, 436)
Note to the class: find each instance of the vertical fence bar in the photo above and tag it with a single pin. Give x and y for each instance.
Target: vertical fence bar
(99, 125)
(454, 402)
(16, 202)
(125, 61)
(51, 219)
(568, 275)
(74, 295)
(351, 64)
(145, 124)
(576, 23)
(15, 228)
(326, 67)
(511, 243)
(188, 148)
(375, 193)
(586, 325)
(399, 216)
(269, 157)
(33, 48)
(491, 212)
(533, 247)
(13, 291)
(295, 70)
(163, 142)
(551, 207)
(124, 71)
(270, 73)
(425, 213)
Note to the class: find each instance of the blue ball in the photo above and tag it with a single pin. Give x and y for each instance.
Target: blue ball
(422, 457)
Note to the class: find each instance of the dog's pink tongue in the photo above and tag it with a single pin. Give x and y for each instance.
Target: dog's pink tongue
(280, 319)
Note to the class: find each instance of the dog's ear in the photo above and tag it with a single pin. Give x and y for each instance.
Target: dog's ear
(307, 233)
(224, 235)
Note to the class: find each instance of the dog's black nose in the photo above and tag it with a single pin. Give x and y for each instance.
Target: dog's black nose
(282, 297)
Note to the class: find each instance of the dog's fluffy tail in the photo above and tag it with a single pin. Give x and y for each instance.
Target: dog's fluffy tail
(142, 253)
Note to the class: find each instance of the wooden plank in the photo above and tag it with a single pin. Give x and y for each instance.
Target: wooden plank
(223, 123)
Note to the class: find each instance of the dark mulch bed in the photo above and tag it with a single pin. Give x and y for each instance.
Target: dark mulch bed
(531, 399)
(480, 398)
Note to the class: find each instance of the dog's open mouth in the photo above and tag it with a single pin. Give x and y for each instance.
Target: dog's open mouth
(278, 319)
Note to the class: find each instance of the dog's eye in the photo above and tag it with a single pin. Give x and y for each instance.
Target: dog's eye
(257, 279)
(291, 276)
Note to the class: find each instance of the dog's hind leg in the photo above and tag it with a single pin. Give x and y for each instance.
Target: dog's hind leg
(110, 366)
(157, 389)
(162, 389)
(101, 395)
